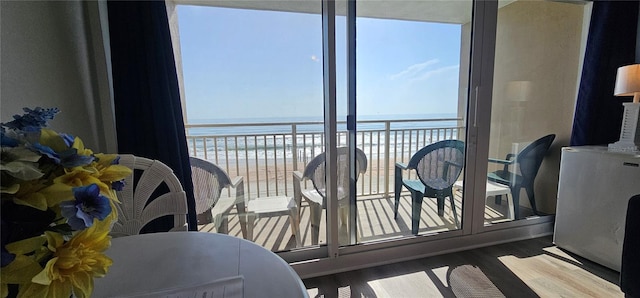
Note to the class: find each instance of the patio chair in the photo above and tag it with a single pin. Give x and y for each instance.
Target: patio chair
(208, 182)
(528, 162)
(152, 191)
(315, 171)
(437, 167)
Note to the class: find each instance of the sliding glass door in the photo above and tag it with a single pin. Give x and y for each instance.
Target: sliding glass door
(536, 74)
(326, 108)
(402, 77)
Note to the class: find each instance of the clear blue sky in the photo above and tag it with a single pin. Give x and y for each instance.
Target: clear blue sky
(258, 64)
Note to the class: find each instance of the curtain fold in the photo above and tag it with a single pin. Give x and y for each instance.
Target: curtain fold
(611, 44)
(146, 96)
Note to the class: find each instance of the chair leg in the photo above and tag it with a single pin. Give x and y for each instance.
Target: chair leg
(250, 223)
(242, 216)
(294, 221)
(416, 209)
(224, 225)
(515, 194)
(532, 199)
(440, 201)
(344, 222)
(397, 188)
(453, 209)
(316, 213)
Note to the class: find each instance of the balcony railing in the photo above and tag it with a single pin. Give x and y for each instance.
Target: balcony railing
(266, 154)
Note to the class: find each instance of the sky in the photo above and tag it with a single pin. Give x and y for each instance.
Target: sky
(240, 63)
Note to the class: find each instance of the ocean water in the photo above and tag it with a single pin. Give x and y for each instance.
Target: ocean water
(301, 138)
(249, 126)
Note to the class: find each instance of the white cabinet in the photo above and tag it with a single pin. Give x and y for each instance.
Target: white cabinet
(594, 189)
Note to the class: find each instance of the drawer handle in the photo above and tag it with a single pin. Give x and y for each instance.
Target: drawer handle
(630, 164)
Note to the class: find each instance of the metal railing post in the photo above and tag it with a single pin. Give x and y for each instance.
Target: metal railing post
(387, 141)
(294, 145)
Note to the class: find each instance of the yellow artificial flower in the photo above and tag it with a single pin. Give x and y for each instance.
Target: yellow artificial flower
(74, 263)
(62, 186)
(52, 140)
(107, 171)
(79, 145)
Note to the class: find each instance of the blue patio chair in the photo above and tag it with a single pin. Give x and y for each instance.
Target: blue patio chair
(437, 168)
(528, 161)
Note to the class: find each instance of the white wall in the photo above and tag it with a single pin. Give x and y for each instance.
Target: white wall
(540, 42)
(52, 56)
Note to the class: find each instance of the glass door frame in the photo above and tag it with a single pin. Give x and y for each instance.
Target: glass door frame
(316, 260)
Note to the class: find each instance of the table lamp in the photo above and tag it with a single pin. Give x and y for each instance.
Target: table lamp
(628, 84)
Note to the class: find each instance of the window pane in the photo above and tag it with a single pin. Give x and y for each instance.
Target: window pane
(411, 83)
(254, 102)
(536, 71)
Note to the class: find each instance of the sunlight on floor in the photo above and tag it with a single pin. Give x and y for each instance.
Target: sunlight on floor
(547, 276)
(441, 274)
(396, 284)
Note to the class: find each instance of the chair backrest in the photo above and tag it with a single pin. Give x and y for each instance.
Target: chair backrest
(439, 165)
(208, 182)
(315, 171)
(530, 158)
(135, 210)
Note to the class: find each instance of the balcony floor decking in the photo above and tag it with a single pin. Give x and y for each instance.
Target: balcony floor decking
(375, 221)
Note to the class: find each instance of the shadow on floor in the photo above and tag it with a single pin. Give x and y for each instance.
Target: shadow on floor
(474, 273)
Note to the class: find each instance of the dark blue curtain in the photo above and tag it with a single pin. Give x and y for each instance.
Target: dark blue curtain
(611, 44)
(146, 96)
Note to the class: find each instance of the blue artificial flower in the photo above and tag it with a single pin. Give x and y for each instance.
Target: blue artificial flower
(89, 204)
(116, 160)
(46, 150)
(68, 139)
(118, 185)
(32, 119)
(70, 158)
(6, 141)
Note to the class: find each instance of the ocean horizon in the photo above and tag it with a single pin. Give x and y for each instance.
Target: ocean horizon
(279, 141)
(262, 126)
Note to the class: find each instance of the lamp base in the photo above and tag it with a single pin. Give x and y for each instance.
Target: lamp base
(624, 147)
(630, 132)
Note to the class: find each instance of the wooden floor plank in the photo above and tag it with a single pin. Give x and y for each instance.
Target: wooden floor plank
(530, 268)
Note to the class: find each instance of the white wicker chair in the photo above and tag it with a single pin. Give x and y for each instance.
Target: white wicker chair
(208, 182)
(135, 211)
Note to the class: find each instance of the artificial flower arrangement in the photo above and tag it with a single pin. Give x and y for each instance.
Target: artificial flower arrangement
(57, 209)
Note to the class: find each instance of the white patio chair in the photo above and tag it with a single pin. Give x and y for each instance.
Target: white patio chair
(208, 182)
(136, 211)
(315, 171)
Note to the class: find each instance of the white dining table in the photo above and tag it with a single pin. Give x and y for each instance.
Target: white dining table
(154, 262)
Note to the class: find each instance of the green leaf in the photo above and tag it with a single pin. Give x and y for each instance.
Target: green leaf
(24, 154)
(20, 271)
(26, 246)
(12, 189)
(22, 170)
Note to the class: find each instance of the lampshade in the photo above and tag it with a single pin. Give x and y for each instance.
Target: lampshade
(628, 82)
(518, 90)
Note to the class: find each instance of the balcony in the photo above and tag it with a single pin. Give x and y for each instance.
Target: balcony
(266, 154)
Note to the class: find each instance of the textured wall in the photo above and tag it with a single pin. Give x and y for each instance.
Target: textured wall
(48, 59)
(538, 58)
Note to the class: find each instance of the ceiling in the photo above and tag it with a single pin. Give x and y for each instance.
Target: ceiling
(444, 11)
(440, 11)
